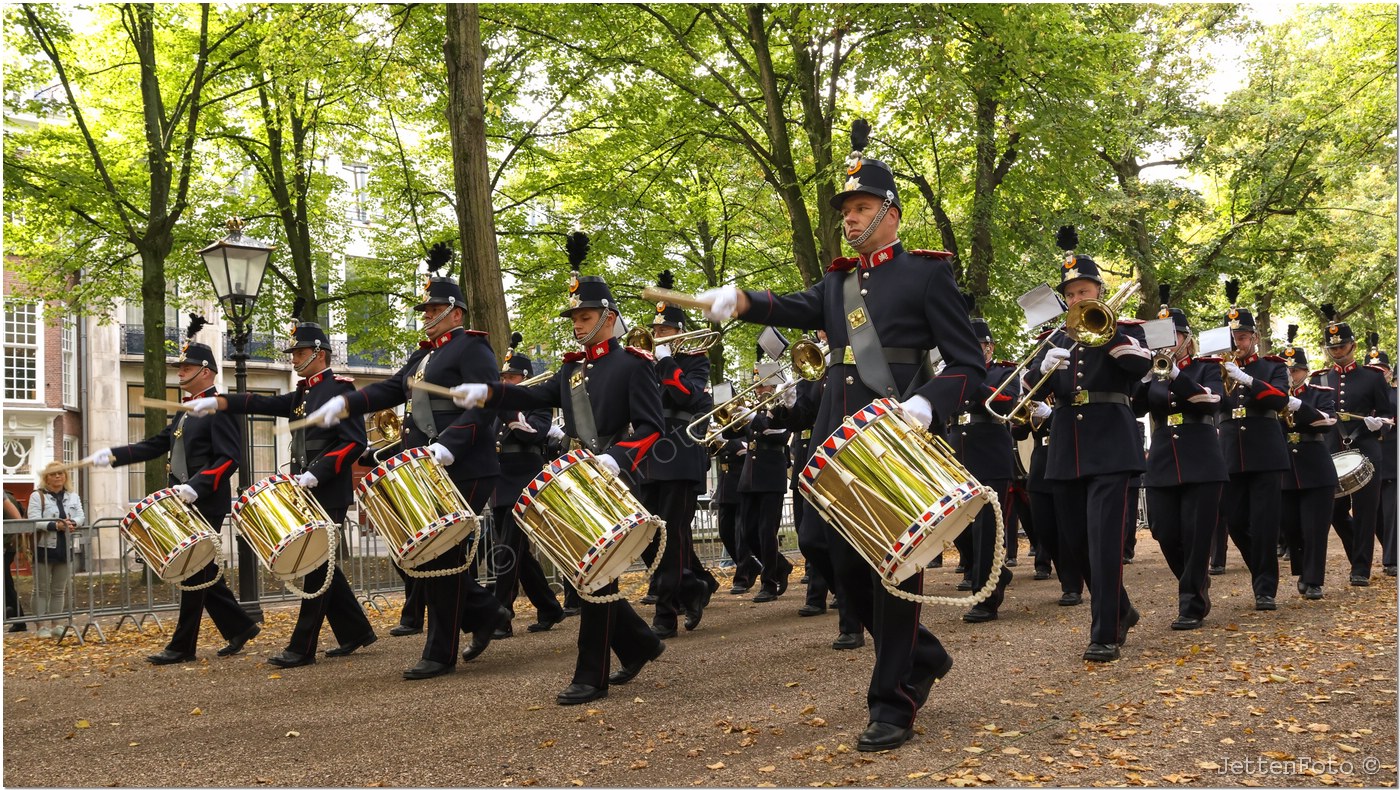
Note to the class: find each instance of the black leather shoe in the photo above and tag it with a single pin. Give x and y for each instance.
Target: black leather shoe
(695, 609)
(578, 693)
(1130, 620)
(236, 644)
(503, 633)
(848, 642)
(350, 647)
(1098, 652)
(1264, 603)
(1283, 551)
(1186, 623)
(624, 676)
(1041, 575)
(1216, 570)
(960, 569)
(15, 628)
(404, 630)
(1301, 586)
(925, 686)
(764, 596)
(663, 633)
(712, 583)
(287, 659)
(979, 614)
(879, 736)
(481, 639)
(1357, 580)
(738, 590)
(783, 580)
(937, 562)
(1071, 599)
(1390, 570)
(1010, 562)
(544, 624)
(805, 579)
(427, 669)
(570, 611)
(965, 584)
(169, 656)
(808, 610)
(648, 600)
(1312, 592)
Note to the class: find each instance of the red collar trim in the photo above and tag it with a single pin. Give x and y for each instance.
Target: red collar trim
(1347, 369)
(205, 394)
(1242, 361)
(312, 381)
(1185, 363)
(881, 256)
(599, 350)
(445, 338)
(1298, 390)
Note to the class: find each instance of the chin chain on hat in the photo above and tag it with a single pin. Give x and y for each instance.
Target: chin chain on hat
(860, 137)
(440, 255)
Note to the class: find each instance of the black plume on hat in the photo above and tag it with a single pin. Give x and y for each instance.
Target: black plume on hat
(197, 323)
(1067, 238)
(1373, 339)
(1329, 311)
(577, 246)
(297, 306)
(1164, 291)
(970, 299)
(860, 134)
(1232, 290)
(438, 256)
(515, 338)
(1292, 333)
(666, 279)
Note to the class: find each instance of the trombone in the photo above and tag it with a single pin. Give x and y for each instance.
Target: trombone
(693, 342)
(807, 360)
(1091, 322)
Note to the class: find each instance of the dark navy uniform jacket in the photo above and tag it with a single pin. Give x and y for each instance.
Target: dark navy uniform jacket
(766, 464)
(914, 303)
(521, 452)
(1312, 465)
(799, 418)
(212, 446)
(1039, 433)
(1361, 389)
(1388, 446)
(1185, 442)
(1250, 434)
(1094, 431)
(677, 456)
(981, 442)
(458, 357)
(731, 468)
(328, 453)
(623, 390)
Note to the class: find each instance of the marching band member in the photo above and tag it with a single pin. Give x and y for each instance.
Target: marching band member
(520, 447)
(612, 404)
(1094, 449)
(204, 452)
(323, 462)
(983, 444)
(1185, 466)
(908, 300)
(675, 471)
(461, 440)
(761, 488)
(730, 458)
(1364, 412)
(1255, 451)
(1311, 482)
(1385, 513)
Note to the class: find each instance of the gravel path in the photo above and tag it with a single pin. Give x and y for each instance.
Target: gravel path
(1305, 695)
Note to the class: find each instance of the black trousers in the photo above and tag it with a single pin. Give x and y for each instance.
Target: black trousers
(1219, 539)
(516, 568)
(1306, 514)
(1067, 569)
(1130, 536)
(1183, 521)
(813, 536)
(1251, 506)
(337, 605)
(746, 565)
(1093, 517)
(457, 603)
(607, 628)
(674, 583)
(12, 603)
(1385, 523)
(966, 544)
(905, 651)
(984, 537)
(761, 514)
(224, 609)
(414, 604)
(1354, 519)
(1018, 519)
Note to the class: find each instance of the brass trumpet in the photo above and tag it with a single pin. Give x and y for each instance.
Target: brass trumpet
(384, 429)
(807, 360)
(535, 379)
(693, 342)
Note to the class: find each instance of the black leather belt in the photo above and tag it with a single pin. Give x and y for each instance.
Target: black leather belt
(676, 414)
(1083, 398)
(1181, 418)
(967, 417)
(517, 447)
(1239, 413)
(1299, 438)
(894, 356)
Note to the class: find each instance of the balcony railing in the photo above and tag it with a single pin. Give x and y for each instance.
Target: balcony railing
(134, 339)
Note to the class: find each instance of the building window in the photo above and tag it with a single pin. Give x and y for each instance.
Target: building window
(16, 455)
(70, 449)
(359, 191)
(136, 432)
(265, 451)
(22, 351)
(70, 361)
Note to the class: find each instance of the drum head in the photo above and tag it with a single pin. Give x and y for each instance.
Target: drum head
(925, 540)
(186, 562)
(1348, 462)
(615, 552)
(301, 552)
(436, 539)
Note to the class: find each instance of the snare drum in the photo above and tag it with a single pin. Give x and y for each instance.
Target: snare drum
(173, 537)
(1354, 471)
(285, 526)
(585, 520)
(416, 508)
(897, 494)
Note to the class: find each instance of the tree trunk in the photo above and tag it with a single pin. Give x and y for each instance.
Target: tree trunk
(153, 367)
(816, 122)
(471, 172)
(979, 265)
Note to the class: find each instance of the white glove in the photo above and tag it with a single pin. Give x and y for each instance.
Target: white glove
(186, 493)
(1294, 404)
(919, 410)
(1042, 410)
(306, 480)
(330, 413)
(789, 397)
(1325, 422)
(1173, 372)
(469, 396)
(519, 424)
(556, 433)
(773, 431)
(441, 454)
(724, 303)
(203, 407)
(1055, 359)
(609, 463)
(743, 448)
(661, 351)
(1233, 371)
(102, 459)
(1374, 423)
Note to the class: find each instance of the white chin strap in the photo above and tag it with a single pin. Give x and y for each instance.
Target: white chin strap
(587, 340)
(875, 223)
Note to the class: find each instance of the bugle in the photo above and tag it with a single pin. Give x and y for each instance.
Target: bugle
(807, 360)
(693, 342)
(384, 429)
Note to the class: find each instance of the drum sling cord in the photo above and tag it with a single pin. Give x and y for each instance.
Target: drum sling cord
(998, 560)
(470, 538)
(219, 574)
(655, 564)
(332, 539)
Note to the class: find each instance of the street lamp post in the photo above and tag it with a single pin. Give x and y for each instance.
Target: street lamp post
(236, 265)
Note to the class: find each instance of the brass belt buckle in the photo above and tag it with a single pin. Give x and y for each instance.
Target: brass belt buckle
(1174, 419)
(1294, 438)
(849, 357)
(1080, 398)
(1045, 441)
(1344, 417)
(964, 418)
(1237, 413)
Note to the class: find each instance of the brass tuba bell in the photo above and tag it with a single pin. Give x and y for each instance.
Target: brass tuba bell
(384, 429)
